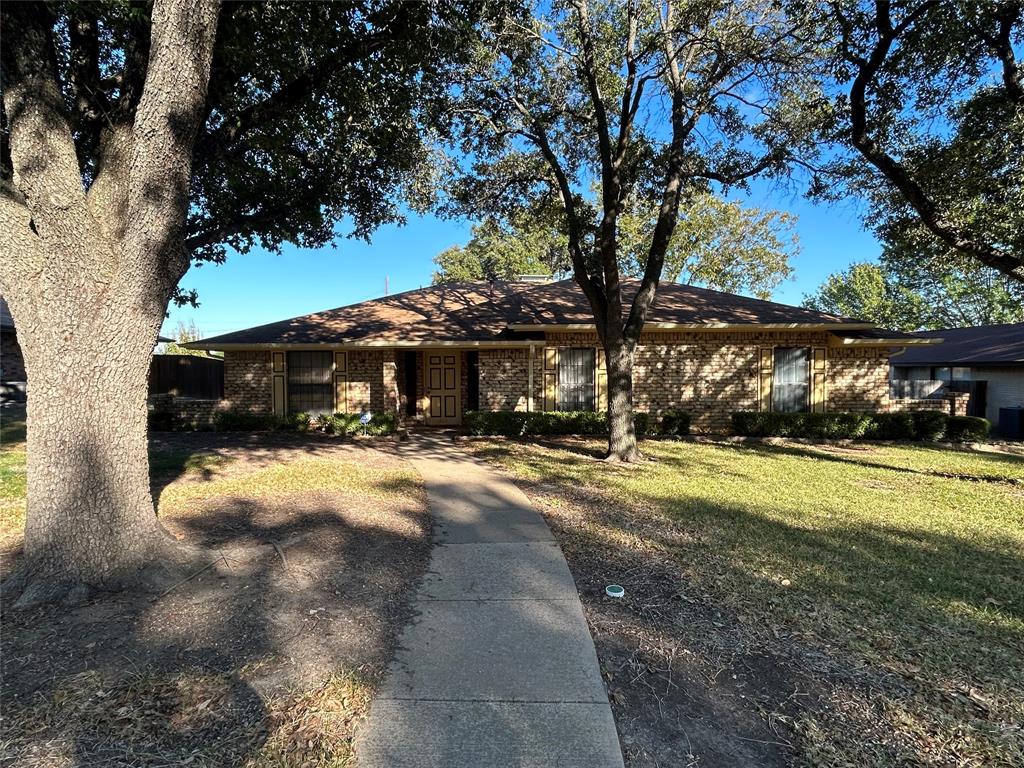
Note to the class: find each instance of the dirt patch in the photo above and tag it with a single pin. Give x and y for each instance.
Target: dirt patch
(270, 655)
(686, 687)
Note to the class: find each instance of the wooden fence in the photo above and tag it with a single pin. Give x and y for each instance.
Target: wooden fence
(186, 376)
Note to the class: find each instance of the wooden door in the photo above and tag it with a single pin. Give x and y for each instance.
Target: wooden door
(442, 390)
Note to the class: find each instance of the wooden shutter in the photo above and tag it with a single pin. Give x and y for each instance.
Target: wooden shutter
(601, 382)
(550, 378)
(279, 391)
(819, 369)
(764, 392)
(341, 382)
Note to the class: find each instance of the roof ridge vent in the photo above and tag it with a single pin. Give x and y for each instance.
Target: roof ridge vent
(535, 279)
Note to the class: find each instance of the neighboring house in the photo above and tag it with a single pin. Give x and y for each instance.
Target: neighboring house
(434, 353)
(12, 364)
(987, 360)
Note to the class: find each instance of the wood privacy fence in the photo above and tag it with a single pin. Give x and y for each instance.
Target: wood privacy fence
(186, 376)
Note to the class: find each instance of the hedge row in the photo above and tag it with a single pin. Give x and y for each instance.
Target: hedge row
(333, 424)
(519, 423)
(917, 425)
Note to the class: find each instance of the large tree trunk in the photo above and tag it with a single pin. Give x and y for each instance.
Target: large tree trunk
(88, 274)
(621, 429)
(90, 518)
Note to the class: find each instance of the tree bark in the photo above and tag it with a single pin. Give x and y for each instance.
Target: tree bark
(90, 519)
(88, 278)
(622, 445)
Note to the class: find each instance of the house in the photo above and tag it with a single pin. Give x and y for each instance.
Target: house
(434, 353)
(987, 360)
(12, 364)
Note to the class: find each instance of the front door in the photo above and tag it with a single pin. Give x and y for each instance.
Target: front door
(442, 391)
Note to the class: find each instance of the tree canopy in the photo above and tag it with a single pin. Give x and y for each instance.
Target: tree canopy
(647, 104)
(933, 108)
(716, 243)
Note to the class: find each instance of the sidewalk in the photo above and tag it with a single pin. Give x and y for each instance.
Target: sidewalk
(499, 668)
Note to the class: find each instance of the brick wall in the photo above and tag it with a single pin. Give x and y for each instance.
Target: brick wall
(708, 374)
(247, 384)
(505, 378)
(366, 379)
(858, 379)
(12, 364)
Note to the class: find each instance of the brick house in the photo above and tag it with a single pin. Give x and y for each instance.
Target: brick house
(434, 353)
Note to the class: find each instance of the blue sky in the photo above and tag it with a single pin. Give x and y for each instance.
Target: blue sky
(261, 287)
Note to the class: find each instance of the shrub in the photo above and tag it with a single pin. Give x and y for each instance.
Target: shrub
(161, 421)
(763, 423)
(929, 425)
(822, 426)
(891, 426)
(675, 423)
(239, 421)
(967, 429)
(519, 423)
(348, 424)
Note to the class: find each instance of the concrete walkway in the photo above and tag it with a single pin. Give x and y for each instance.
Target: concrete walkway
(499, 668)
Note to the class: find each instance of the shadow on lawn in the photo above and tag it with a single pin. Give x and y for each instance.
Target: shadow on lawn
(709, 650)
(847, 458)
(205, 674)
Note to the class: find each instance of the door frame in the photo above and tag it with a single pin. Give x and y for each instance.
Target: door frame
(456, 392)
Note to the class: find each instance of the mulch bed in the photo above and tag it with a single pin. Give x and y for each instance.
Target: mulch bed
(268, 657)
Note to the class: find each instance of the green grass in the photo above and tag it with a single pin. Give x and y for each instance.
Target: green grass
(909, 560)
(297, 476)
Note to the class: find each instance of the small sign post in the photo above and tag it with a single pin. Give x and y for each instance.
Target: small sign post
(364, 419)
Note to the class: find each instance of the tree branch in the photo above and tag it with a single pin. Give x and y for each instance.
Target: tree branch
(45, 170)
(166, 124)
(892, 169)
(1009, 15)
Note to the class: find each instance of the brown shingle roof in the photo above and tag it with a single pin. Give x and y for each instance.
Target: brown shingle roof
(475, 312)
(983, 345)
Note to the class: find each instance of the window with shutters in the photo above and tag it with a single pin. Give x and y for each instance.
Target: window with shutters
(310, 382)
(575, 379)
(791, 379)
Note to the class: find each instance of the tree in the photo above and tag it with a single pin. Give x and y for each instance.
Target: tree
(647, 103)
(183, 334)
(934, 108)
(716, 243)
(902, 294)
(137, 138)
(503, 251)
(865, 292)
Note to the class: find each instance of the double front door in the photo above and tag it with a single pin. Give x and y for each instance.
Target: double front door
(441, 389)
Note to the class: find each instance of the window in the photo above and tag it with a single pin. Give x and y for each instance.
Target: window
(791, 379)
(310, 382)
(575, 379)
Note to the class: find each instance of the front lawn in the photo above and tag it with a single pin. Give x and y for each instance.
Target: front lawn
(266, 655)
(786, 603)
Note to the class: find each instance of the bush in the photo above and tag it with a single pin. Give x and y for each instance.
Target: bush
(348, 424)
(821, 426)
(519, 423)
(929, 425)
(891, 426)
(239, 421)
(967, 429)
(674, 423)
(161, 421)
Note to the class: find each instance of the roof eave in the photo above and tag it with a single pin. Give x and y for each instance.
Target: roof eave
(701, 326)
